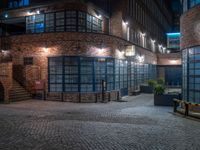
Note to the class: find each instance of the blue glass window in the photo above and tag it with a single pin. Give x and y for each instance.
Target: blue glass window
(70, 21)
(191, 74)
(19, 3)
(71, 74)
(35, 24)
(55, 75)
(85, 74)
(193, 3)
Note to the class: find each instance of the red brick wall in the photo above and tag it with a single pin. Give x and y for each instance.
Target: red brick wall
(6, 78)
(190, 28)
(59, 44)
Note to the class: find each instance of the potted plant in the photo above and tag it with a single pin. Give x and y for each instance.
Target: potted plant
(161, 98)
(152, 83)
(161, 81)
(159, 89)
(149, 88)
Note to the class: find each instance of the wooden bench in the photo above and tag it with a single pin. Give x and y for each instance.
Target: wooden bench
(186, 105)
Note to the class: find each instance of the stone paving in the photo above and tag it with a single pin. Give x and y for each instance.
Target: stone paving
(132, 125)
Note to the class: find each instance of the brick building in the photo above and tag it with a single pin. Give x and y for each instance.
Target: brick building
(190, 41)
(76, 49)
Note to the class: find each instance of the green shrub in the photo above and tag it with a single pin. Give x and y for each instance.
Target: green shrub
(152, 83)
(161, 81)
(159, 90)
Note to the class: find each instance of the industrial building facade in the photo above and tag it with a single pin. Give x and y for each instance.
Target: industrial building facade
(76, 49)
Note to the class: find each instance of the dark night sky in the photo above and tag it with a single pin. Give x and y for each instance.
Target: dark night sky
(174, 5)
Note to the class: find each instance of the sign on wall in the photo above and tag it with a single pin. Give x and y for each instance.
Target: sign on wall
(173, 41)
(130, 51)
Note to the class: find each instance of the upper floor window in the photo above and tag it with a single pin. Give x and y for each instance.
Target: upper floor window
(17, 3)
(63, 21)
(194, 2)
(35, 24)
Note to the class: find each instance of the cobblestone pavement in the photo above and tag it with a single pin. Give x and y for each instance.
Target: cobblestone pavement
(132, 125)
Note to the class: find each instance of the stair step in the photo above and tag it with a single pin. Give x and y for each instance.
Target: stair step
(17, 99)
(18, 90)
(17, 87)
(21, 99)
(18, 93)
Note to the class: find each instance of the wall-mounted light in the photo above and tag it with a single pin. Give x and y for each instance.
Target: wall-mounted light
(102, 46)
(140, 59)
(143, 34)
(29, 13)
(5, 53)
(100, 51)
(125, 23)
(6, 15)
(173, 62)
(38, 12)
(153, 41)
(99, 16)
(45, 49)
(164, 49)
(120, 54)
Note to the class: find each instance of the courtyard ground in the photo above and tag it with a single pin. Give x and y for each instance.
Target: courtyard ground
(133, 125)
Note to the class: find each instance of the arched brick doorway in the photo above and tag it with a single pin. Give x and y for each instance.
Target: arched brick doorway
(1, 92)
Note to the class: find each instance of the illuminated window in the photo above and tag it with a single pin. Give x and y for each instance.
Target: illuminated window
(85, 74)
(17, 3)
(35, 24)
(70, 21)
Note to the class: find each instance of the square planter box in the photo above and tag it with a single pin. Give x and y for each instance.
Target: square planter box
(146, 89)
(165, 99)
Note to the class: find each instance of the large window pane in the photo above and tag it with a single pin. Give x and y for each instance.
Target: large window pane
(55, 75)
(60, 21)
(71, 74)
(81, 22)
(50, 22)
(71, 21)
(39, 23)
(35, 24)
(30, 24)
(87, 74)
(63, 21)
(17, 3)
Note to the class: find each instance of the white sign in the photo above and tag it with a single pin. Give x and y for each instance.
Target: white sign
(130, 51)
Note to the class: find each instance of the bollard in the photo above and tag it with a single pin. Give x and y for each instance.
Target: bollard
(186, 109)
(175, 106)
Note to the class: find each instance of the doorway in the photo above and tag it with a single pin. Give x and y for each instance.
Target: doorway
(1, 92)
